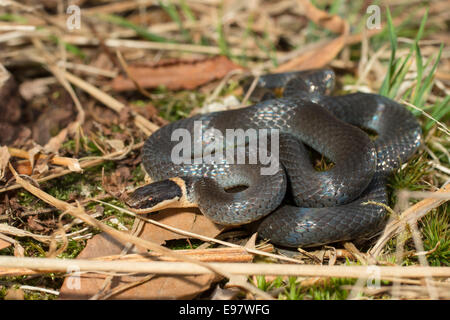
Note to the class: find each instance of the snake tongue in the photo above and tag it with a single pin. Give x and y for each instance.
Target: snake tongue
(169, 193)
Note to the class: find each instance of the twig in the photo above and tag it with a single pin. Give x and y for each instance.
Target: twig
(54, 292)
(57, 160)
(207, 255)
(147, 126)
(150, 45)
(189, 268)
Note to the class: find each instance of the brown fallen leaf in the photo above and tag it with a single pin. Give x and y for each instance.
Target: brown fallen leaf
(116, 183)
(330, 22)
(116, 144)
(14, 294)
(53, 145)
(24, 167)
(4, 158)
(224, 294)
(191, 220)
(34, 225)
(322, 54)
(179, 75)
(158, 287)
(4, 244)
(34, 88)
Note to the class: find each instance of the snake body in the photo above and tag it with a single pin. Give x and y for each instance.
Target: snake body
(298, 205)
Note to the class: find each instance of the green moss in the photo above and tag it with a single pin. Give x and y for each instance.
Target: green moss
(411, 175)
(173, 106)
(436, 236)
(3, 291)
(330, 290)
(182, 244)
(138, 174)
(74, 247)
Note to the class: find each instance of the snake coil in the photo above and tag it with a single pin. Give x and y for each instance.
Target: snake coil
(298, 205)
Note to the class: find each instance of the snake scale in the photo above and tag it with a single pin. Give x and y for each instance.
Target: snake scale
(296, 205)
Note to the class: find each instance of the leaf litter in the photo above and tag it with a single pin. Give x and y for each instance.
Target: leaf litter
(51, 132)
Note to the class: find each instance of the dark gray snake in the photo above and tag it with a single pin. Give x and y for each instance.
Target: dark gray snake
(298, 205)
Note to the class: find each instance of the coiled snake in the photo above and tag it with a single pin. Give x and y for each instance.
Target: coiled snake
(296, 204)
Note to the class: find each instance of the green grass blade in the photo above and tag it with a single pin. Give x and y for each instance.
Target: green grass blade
(399, 75)
(441, 110)
(69, 47)
(419, 60)
(422, 27)
(187, 11)
(13, 18)
(384, 90)
(173, 13)
(142, 32)
(419, 64)
(427, 83)
(222, 41)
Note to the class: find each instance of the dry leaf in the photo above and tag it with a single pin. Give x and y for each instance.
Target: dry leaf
(330, 22)
(55, 143)
(191, 220)
(73, 165)
(178, 75)
(224, 294)
(32, 152)
(322, 55)
(35, 88)
(19, 251)
(4, 244)
(116, 144)
(317, 58)
(4, 158)
(41, 166)
(14, 294)
(159, 287)
(24, 167)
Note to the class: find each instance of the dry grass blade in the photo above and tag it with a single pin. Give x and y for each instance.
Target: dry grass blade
(409, 216)
(207, 255)
(110, 102)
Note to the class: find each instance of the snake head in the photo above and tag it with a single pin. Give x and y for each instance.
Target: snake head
(169, 193)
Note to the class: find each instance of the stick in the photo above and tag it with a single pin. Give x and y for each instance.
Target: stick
(187, 268)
